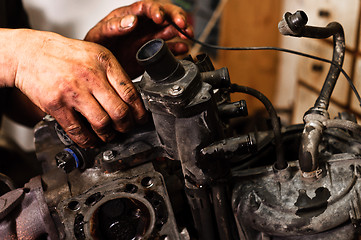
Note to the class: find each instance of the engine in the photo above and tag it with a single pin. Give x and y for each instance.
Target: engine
(188, 173)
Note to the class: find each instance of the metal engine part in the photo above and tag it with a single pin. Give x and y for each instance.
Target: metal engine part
(284, 205)
(187, 174)
(99, 204)
(132, 205)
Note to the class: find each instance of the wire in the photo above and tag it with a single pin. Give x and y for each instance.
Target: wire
(281, 163)
(275, 49)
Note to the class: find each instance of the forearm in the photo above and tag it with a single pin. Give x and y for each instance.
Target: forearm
(8, 56)
(17, 106)
(68, 78)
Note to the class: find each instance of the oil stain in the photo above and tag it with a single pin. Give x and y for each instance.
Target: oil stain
(307, 207)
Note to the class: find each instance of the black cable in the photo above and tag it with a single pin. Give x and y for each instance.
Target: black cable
(275, 49)
(281, 163)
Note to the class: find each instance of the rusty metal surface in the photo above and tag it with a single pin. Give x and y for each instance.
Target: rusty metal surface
(145, 199)
(298, 206)
(29, 217)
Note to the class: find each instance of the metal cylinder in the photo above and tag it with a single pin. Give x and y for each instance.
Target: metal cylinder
(158, 61)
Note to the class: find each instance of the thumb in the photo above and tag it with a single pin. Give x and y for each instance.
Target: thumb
(116, 26)
(127, 23)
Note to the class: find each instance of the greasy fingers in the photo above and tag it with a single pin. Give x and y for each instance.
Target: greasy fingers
(178, 48)
(155, 12)
(117, 26)
(163, 13)
(125, 88)
(177, 15)
(158, 12)
(123, 37)
(73, 80)
(99, 118)
(75, 129)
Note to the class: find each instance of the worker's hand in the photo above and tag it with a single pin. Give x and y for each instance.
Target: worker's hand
(73, 80)
(126, 29)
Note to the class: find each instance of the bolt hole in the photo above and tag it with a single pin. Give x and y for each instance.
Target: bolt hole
(26, 190)
(74, 205)
(93, 199)
(131, 188)
(352, 167)
(147, 182)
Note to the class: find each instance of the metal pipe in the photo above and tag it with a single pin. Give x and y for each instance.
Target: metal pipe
(223, 213)
(159, 62)
(217, 78)
(333, 29)
(343, 124)
(295, 25)
(310, 140)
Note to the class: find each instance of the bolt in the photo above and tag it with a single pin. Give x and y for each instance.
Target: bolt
(48, 118)
(61, 156)
(65, 161)
(108, 155)
(176, 90)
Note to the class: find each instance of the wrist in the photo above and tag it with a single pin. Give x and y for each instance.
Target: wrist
(30, 46)
(8, 57)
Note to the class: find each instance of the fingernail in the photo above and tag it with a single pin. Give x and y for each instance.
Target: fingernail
(161, 13)
(183, 18)
(127, 21)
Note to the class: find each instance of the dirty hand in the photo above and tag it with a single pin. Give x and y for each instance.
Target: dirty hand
(72, 80)
(126, 29)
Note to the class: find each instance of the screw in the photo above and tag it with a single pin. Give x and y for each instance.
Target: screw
(61, 157)
(65, 161)
(108, 155)
(48, 118)
(176, 90)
